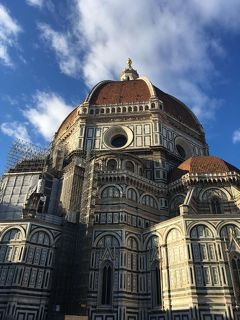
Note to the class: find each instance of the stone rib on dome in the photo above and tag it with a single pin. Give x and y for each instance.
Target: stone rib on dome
(202, 165)
(178, 110)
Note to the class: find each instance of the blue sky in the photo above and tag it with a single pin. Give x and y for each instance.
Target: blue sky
(53, 52)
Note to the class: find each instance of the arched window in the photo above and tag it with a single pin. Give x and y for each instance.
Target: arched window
(107, 284)
(132, 194)
(132, 243)
(181, 151)
(108, 241)
(156, 285)
(129, 166)
(11, 249)
(111, 192)
(176, 202)
(228, 231)
(215, 206)
(204, 251)
(12, 235)
(148, 200)
(112, 165)
(201, 232)
(40, 237)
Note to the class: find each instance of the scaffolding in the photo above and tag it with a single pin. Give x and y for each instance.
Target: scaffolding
(26, 157)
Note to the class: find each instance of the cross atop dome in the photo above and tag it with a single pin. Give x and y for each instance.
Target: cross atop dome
(129, 73)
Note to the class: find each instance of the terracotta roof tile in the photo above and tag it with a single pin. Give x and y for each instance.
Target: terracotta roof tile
(115, 92)
(120, 92)
(202, 165)
(68, 121)
(177, 109)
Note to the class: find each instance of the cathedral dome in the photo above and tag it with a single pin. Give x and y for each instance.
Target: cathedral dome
(115, 92)
(202, 165)
(141, 90)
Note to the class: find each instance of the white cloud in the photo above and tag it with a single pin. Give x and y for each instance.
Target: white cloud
(35, 3)
(66, 54)
(46, 113)
(236, 136)
(168, 41)
(16, 130)
(9, 30)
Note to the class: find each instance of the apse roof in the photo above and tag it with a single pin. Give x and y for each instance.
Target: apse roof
(202, 165)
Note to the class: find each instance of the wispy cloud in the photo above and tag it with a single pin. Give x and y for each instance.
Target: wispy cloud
(35, 3)
(46, 113)
(66, 53)
(167, 40)
(236, 136)
(15, 130)
(9, 30)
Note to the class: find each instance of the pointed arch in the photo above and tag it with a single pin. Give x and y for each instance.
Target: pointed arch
(106, 285)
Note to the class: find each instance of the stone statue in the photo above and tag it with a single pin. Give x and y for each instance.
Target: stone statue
(129, 62)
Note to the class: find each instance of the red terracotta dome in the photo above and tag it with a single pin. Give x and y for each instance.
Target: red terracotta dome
(141, 90)
(115, 92)
(135, 91)
(67, 122)
(178, 110)
(202, 165)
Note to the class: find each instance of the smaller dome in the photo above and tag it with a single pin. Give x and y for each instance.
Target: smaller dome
(202, 165)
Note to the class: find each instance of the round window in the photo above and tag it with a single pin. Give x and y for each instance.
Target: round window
(181, 151)
(118, 141)
(118, 137)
